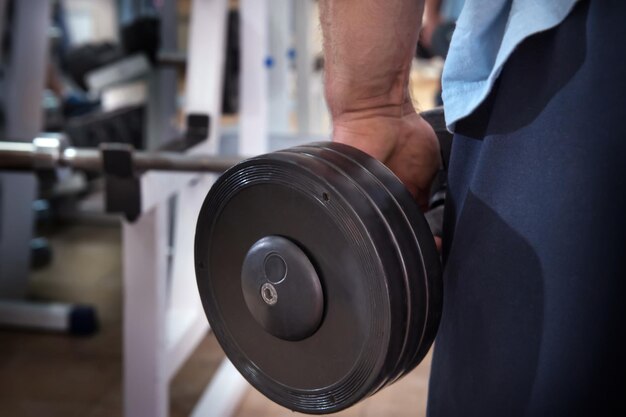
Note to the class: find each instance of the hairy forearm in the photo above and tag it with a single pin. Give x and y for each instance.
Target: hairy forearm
(368, 49)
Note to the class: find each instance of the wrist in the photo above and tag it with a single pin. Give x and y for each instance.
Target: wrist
(355, 96)
(376, 130)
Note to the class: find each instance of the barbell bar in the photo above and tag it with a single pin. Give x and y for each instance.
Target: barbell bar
(33, 156)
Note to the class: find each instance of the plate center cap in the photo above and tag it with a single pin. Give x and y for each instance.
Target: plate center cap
(282, 289)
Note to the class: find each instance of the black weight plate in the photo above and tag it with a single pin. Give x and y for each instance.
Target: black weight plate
(288, 195)
(423, 261)
(402, 239)
(390, 251)
(427, 249)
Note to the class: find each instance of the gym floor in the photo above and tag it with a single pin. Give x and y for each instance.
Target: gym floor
(47, 375)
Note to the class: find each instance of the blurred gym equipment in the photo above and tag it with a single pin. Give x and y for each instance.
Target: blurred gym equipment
(339, 273)
(163, 316)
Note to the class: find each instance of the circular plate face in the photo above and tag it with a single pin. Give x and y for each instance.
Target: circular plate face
(333, 222)
(348, 229)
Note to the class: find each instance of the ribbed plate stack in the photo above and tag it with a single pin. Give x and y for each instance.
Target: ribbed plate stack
(318, 274)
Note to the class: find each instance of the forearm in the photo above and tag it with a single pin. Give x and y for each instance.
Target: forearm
(368, 49)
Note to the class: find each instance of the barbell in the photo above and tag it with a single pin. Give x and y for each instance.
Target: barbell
(316, 269)
(48, 153)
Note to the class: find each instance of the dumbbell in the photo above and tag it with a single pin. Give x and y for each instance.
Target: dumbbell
(318, 274)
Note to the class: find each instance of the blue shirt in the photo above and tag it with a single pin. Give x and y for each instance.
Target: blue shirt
(486, 34)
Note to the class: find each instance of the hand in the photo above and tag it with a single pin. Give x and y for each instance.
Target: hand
(405, 142)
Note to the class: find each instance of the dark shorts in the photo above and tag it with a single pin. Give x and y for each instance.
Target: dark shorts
(534, 317)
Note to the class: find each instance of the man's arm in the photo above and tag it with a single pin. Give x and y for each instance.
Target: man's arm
(368, 49)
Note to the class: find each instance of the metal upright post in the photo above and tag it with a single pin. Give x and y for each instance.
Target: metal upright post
(23, 89)
(303, 10)
(146, 383)
(253, 114)
(24, 83)
(280, 47)
(163, 85)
